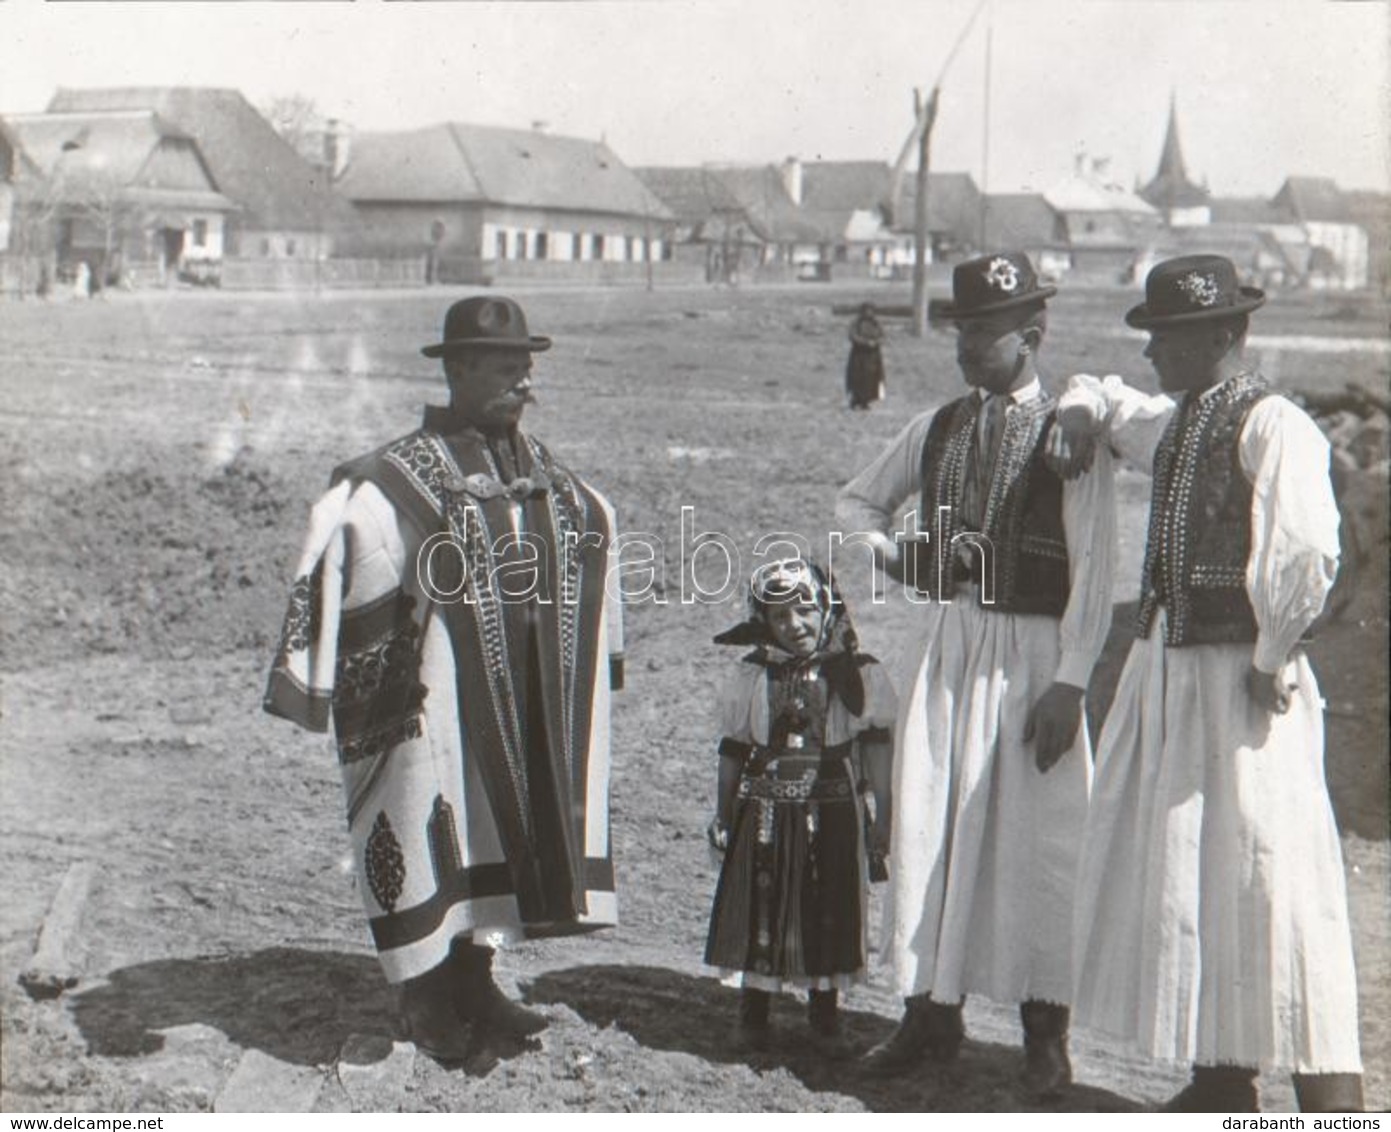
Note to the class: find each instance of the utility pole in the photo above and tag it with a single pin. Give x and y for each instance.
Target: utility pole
(920, 138)
(647, 240)
(924, 114)
(985, 145)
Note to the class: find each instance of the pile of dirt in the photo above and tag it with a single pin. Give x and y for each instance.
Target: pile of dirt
(1357, 423)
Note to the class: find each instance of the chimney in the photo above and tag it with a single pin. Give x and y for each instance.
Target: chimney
(337, 143)
(792, 179)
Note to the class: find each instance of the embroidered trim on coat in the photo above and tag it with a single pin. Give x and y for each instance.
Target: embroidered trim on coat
(385, 865)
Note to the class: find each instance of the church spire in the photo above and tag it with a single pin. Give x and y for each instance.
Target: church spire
(1171, 160)
(1171, 188)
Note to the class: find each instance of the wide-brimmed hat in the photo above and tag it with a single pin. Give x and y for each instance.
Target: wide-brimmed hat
(991, 283)
(1190, 288)
(485, 321)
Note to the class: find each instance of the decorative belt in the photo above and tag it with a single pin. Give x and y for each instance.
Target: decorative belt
(805, 789)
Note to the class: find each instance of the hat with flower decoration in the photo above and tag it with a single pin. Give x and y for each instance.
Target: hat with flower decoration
(1192, 288)
(990, 283)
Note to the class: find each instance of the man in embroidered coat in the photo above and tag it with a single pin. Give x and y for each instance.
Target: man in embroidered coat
(450, 616)
(1212, 923)
(992, 761)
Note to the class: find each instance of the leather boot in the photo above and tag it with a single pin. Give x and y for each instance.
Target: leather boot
(479, 1000)
(753, 1032)
(1217, 1088)
(429, 1018)
(1047, 1068)
(823, 1016)
(1329, 1092)
(928, 1029)
(946, 1029)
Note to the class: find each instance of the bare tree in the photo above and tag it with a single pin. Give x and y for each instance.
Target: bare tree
(103, 203)
(91, 204)
(297, 119)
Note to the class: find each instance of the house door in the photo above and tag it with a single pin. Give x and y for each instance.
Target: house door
(171, 248)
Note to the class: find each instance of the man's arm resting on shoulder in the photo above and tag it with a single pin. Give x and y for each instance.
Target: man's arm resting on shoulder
(1095, 411)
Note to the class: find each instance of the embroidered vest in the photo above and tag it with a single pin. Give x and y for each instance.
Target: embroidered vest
(1026, 553)
(1200, 522)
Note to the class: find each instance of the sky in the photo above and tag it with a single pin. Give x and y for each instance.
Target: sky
(1264, 88)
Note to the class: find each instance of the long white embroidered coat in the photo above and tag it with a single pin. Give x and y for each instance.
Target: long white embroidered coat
(461, 820)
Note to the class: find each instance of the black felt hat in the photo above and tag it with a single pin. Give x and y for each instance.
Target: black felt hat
(1191, 288)
(990, 283)
(485, 321)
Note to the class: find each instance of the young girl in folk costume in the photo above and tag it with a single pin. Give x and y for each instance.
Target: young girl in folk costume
(805, 721)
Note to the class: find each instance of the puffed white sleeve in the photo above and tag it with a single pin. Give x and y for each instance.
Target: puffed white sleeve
(868, 503)
(1294, 526)
(1089, 520)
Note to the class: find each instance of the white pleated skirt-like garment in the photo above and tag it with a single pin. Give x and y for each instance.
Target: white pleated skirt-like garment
(985, 846)
(1212, 923)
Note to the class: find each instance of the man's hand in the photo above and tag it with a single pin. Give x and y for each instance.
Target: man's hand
(877, 849)
(891, 558)
(1053, 722)
(1071, 444)
(880, 835)
(1270, 690)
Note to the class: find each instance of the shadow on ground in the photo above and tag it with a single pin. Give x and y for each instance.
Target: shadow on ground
(295, 1005)
(667, 1010)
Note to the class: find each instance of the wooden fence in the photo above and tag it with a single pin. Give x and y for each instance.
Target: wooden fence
(305, 275)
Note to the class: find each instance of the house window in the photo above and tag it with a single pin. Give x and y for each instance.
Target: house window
(500, 240)
(289, 245)
(522, 250)
(598, 245)
(541, 245)
(200, 233)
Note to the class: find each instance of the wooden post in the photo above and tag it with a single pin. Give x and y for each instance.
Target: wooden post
(925, 114)
(56, 965)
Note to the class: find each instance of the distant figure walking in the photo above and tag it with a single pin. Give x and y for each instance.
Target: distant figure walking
(864, 372)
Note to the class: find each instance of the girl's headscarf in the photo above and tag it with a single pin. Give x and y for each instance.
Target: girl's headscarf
(837, 648)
